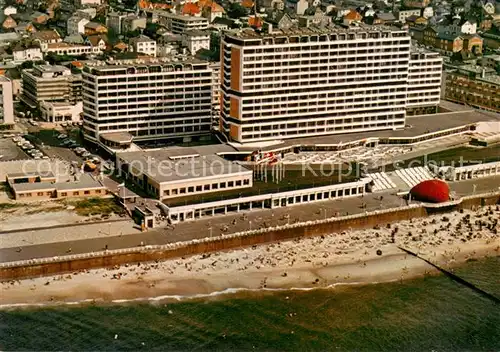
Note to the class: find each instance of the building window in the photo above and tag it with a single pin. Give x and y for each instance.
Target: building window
(230, 184)
(166, 192)
(190, 189)
(238, 183)
(198, 188)
(206, 187)
(28, 194)
(64, 194)
(215, 185)
(49, 193)
(21, 195)
(246, 181)
(39, 194)
(183, 190)
(86, 192)
(76, 193)
(98, 191)
(223, 185)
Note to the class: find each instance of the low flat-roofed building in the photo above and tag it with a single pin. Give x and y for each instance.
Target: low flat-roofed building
(174, 172)
(39, 187)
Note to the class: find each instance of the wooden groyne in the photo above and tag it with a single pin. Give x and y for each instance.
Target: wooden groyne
(455, 278)
(103, 259)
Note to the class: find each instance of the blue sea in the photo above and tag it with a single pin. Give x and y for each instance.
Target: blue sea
(424, 314)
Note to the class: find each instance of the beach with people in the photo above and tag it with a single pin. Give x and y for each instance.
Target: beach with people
(351, 257)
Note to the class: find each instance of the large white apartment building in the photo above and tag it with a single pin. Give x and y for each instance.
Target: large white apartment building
(313, 81)
(424, 82)
(51, 84)
(6, 101)
(154, 100)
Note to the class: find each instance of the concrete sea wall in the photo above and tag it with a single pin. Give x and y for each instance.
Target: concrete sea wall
(74, 263)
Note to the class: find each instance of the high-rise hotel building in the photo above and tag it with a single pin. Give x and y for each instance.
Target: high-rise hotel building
(149, 101)
(313, 81)
(424, 81)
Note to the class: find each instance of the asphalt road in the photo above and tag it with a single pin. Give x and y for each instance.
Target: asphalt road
(213, 226)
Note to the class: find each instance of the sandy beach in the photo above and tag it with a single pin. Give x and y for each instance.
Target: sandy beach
(352, 257)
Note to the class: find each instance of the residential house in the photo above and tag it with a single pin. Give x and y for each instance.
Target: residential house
(9, 10)
(188, 9)
(428, 12)
(39, 18)
(473, 43)
(97, 41)
(383, 18)
(92, 28)
(143, 44)
(93, 3)
(23, 53)
(120, 47)
(45, 37)
(450, 43)
(417, 33)
(417, 3)
(277, 5)
(133, 22)
(76, 25)
(196, 40)
(461, 26)
(486, 23)
(491, 39)
(88, 13)
(25, 28)
(211, 10)
(9, 23)
(279, 20)
(352, 17)
(114, 21)
(431, 36)
(317, 19)
(489, 7)
(402, 15)
(413, 21)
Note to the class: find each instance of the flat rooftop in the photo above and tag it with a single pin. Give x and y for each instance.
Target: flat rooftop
(313, 30)
(180, 164)
(416, 126)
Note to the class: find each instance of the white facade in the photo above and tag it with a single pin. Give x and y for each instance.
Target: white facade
(84, 3)
(61, 112)
(9, 10)
(178, 24)
(7, 106)
(403, 15)
(196, 40)
(149, 101)
(215, 92)
(302, 84)
(76, 25)
(27, 54)
(424, 79)
(70, 49)
(145, 45)
(428, 12)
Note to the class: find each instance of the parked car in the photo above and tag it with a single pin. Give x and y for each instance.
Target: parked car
(86, 154)
(62, 136)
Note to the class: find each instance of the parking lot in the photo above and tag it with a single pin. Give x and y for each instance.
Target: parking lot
(10, 151)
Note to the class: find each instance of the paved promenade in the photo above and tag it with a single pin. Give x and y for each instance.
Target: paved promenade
(208, 227)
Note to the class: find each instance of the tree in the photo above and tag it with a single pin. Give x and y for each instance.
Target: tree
(236, 10)
(27, 65)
